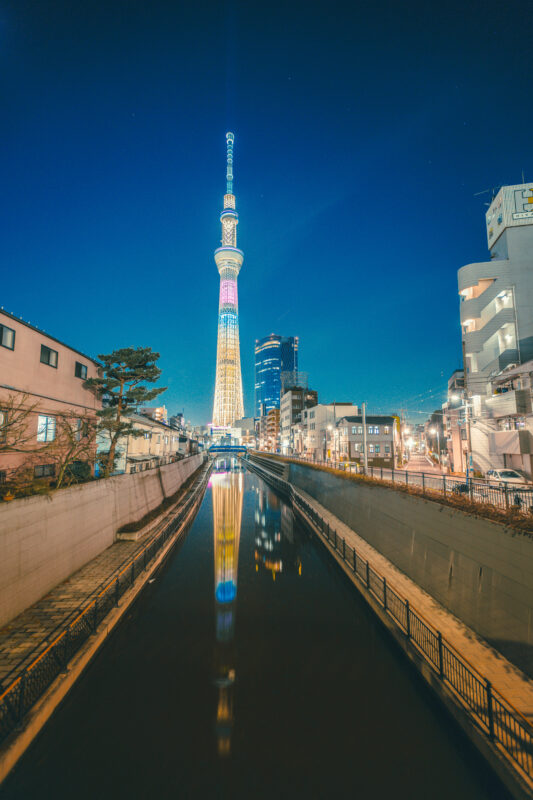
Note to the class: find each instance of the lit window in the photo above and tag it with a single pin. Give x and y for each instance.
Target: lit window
(48, 356)
(386, 429)
(46, 428)
(359, 429)
(7, 337)
(370, 448)
(387, 448)
(80, 371)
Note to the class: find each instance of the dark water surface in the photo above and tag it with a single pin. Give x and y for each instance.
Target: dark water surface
(249, 668)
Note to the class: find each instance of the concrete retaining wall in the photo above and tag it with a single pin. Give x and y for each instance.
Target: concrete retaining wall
(43, 540)
(480, 570)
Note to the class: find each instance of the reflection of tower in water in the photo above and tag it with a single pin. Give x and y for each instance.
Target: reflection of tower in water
(227, 491)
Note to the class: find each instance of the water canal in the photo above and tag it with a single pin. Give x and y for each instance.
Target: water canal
(249, 668)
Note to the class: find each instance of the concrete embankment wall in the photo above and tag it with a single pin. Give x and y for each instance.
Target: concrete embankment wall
(481, 571)
(43, 540)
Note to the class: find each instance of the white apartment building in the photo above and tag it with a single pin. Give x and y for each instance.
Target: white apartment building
(497, 323)
(318, 426)
(293, 402)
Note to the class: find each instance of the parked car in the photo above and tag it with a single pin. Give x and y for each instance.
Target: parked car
(503, 476)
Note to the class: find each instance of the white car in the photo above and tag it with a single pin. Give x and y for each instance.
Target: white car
(506, 476)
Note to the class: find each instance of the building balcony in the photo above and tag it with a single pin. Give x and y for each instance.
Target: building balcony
(475, 340)
(509, 404)
(511, 443)
(472, 309)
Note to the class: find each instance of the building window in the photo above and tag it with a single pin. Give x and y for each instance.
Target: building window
(370, 448)
(3, 476)
(386, 429)
(147, 435)
(359, 429)
(3, 426)
(377, 448)
(46, 428)
(387, 448)
(48, 356)
(80, 371)
(45, 471)
(7, 337)
(354, 429)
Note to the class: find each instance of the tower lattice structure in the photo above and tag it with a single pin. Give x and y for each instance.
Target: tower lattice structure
(228, 404)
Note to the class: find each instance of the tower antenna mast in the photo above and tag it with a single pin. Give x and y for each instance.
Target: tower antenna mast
(230, 138)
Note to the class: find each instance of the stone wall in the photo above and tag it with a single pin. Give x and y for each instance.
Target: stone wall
(480, 570)
(43, 540)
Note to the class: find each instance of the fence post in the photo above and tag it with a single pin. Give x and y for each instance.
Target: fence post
(441, 658)
(506, 490)
(392, 473)
(490, 709)
(381, 473)
(407, 619)
(354, 562)
(444, 484)
(423, 483)
(367, 576)
(327, 532)
(21, 694)
(385, 594)
(406, 478)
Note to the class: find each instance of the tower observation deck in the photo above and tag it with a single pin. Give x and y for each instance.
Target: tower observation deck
(228, 405)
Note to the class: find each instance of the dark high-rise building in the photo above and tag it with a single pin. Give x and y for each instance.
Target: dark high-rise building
(273, 355)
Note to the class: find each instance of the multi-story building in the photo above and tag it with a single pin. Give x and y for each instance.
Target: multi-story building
(160, 413)
(273, 355)
(510, 415)
(268, 431)
(41, 385)
(382, 438)
(497, 318)
(160, 444)
(319, 424)
(293, 402)
(245, 431)
(454, 423)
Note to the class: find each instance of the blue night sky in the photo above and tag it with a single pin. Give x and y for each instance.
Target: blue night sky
(363, 132)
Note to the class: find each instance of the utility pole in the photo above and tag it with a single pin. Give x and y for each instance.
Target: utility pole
(469, 465)
(365, 454)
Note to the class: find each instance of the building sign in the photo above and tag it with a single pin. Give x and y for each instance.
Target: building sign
(512, 206)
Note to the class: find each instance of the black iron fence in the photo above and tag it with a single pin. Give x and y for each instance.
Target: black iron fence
(21, 688)
(507, 728)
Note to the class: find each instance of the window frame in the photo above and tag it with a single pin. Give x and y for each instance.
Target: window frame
(11, 330)
(44, 348)
(50, 473)
(82, 367)
(46, 437)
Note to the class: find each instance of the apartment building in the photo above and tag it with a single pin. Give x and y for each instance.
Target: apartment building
(382, 440)
(318, 424)
(293, 402)
(496, 314)
(42, 388)
(159, 444)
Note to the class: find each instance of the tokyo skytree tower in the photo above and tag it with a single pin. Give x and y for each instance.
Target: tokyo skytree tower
(228, 404)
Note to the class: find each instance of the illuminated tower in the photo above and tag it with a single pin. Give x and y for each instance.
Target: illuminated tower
(228, 387)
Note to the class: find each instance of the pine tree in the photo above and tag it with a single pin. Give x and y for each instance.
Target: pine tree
(120, 386)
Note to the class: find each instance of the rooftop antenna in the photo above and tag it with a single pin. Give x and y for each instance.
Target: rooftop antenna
(523, 180)
(230, 138)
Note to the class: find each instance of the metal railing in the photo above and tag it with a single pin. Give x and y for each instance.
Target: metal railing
(23, 687)
(504, 495)
(506, 727)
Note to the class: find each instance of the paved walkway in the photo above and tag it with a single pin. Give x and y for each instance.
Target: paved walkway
(30, 632)
(513, 684)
